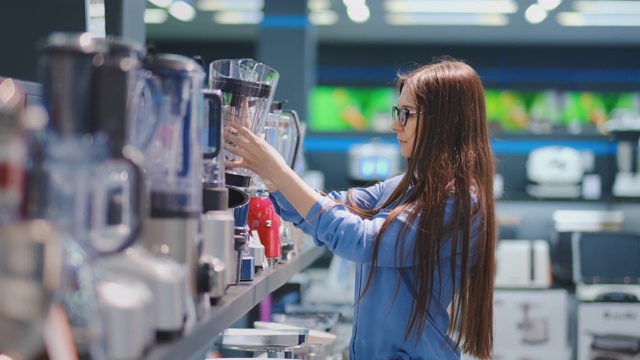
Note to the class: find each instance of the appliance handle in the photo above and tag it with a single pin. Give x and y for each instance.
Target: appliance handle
(124, 177)
(296, 148)
(214, 128)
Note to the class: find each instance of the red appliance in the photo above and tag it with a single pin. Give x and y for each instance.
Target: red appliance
(264, 219)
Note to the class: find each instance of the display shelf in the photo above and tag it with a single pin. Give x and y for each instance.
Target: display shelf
(237, 301)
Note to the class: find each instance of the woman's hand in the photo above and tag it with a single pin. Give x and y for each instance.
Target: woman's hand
(254, 152)
(261, 158)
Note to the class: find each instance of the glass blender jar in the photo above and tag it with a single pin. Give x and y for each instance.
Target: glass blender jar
(247, 88)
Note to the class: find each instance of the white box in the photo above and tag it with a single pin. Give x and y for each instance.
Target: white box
(608, 331)
(530, 322)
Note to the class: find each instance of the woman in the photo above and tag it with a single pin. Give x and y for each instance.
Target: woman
(423, 241)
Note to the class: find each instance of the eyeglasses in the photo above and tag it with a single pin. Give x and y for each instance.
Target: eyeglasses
(402, 113)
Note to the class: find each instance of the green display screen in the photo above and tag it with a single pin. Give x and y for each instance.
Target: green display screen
(348, 109)
(345, 109)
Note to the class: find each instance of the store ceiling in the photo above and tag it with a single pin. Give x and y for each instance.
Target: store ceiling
(598, 22)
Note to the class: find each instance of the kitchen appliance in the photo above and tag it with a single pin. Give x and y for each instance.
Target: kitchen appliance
(275, 342)
(247, 88)
(523, 264)
(239, 203)
(95, 186)
(614, 347)
(263, 219)
(319, 344)
(125, 303)
(217, 221)
(555, 172)
(174, 168)
(606, 264)
(282, 131)
(88, 177)
(215, 195)
(374, 160)
(534, 329)
(624, 125)
(568, 222)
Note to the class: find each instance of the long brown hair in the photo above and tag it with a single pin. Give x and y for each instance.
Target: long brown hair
(451, 157)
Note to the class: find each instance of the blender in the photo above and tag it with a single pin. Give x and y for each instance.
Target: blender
(282, 131)
(247, 88)
(95, 191)
(174, 166)
(217, 220)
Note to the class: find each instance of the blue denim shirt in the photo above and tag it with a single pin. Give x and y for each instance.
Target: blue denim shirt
(380, 319)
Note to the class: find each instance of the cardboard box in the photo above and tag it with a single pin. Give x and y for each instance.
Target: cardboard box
(608, 331)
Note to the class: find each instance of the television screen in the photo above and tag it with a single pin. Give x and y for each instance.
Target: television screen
(346, 109)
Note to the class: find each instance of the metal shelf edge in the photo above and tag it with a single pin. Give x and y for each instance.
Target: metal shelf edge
(237, 301)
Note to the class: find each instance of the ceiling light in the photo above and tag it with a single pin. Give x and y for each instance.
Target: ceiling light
(358, 14)
(448, 19)
(582, 19)
(182, 11)
(155, 16)
(535, 14)
(161, 3)
(549, 4)
(349, 3)
(452, 6)
(607, 7)
(230, 5)
(238, 17)
(327, 17)
(319, 5)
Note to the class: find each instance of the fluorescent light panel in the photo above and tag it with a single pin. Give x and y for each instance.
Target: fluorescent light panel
(607, 7)
(182, 11)
(448, 19)
(155, 16)
(160, 3)
(323, 18)
(319, 5)
(238, 17)
(587, 19)
(451, 6)
(230, 5)
(535, 14)
(358, 13)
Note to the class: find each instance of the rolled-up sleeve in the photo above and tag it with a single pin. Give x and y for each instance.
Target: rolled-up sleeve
(352, 238)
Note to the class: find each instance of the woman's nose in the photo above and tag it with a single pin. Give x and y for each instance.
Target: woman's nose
(395, 125)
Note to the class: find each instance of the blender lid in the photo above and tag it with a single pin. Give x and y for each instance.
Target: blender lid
(241, 87)
(83, 43)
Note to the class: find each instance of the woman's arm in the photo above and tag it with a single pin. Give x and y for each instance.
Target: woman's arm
(258, 156)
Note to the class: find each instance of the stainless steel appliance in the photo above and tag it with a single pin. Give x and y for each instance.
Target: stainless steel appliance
(276, 343)
(217, 221)
(174, 168)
